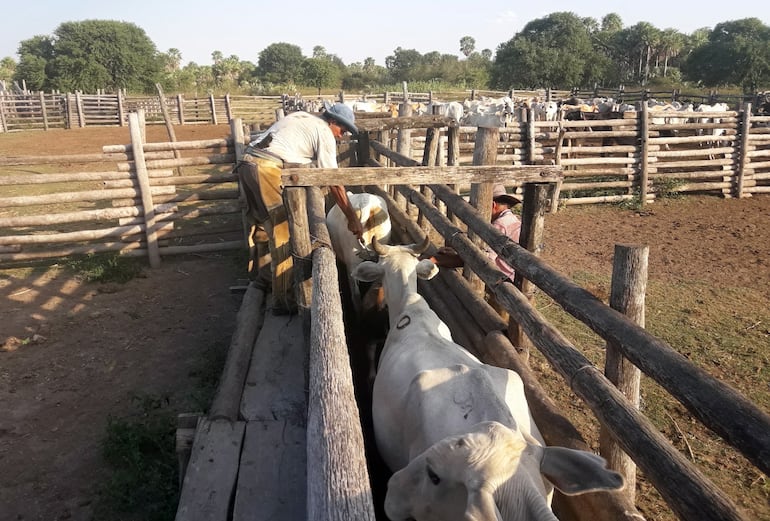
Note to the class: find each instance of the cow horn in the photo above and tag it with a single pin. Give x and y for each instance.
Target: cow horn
(419, 249)
(379, 249)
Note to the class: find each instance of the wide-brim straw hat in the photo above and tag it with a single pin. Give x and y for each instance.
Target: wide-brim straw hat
(499, 194)
(342, 114)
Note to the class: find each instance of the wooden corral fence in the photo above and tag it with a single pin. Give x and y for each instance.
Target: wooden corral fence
(626, 159)
(141, 199)
(424, 200)
(42, 111)
(636, 156)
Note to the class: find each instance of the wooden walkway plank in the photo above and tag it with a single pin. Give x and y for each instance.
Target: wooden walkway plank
(209, 483)
(272, 483)
(276, 384)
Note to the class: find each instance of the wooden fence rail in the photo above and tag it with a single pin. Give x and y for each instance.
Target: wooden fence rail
(130, 200)
(637, 156)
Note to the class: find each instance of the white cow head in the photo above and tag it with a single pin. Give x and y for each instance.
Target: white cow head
(492, 473)
(398, 269)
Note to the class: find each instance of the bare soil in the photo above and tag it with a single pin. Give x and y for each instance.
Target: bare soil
(73, 353)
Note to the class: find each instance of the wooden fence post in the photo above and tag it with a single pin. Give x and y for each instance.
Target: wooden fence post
(3, 124)
(537, 202)
(79, 107)
(121, 108)
(403, 145)
(627, 295)
(532, 142)
(213, 105)
(644, 153)
(180, 108)
(295, 200)
(43, 110)
(484, 153)
(228, 108)
(137, 146)
(169, 125)
(745, 129)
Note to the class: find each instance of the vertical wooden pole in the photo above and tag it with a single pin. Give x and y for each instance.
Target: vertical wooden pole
(644, 154)
(3, 122)
(295, 200)
(213, 106)
(403, 145)
(557, 162)
(627, 295)
(743, 158)
(537, 202)
(148, 207)
(453, 159)
(228, 108)
(180, 108)
(121, 109)
(169, 124)
(239, 144)
(79, 105)
(532, 143)
(484, 153)
(43, 110)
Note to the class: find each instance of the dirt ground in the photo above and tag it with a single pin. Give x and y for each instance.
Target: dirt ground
(74, 352)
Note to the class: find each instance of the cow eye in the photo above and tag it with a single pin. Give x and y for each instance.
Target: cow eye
(433, 477)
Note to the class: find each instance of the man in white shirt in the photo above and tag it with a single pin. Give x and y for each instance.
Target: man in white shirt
(299, 139)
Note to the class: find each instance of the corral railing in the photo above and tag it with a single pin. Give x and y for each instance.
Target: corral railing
(636, 156)
(141, 199)
(41, 111)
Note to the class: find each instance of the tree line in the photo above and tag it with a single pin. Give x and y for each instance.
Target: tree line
(560, 51)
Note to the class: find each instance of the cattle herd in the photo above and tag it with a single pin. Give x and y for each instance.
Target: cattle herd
(457, 434)
(505, 111)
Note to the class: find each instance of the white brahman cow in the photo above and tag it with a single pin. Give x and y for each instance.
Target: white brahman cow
(458, 433)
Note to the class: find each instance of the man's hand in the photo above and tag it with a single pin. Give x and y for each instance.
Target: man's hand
(447, 257)
(356, 228)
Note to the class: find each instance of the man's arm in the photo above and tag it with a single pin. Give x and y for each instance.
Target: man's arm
(341, 198)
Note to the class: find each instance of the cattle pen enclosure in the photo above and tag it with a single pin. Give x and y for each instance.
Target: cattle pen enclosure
(414, 197)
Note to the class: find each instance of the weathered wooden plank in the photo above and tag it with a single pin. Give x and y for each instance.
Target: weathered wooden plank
(249, 321)
(419, 175)
(209, 483)
(271, 479)
(275, 384)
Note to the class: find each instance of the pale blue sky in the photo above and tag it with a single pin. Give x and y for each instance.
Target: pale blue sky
(351, 31)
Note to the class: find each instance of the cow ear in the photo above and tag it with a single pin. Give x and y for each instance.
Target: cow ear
(576, 472)
(368, 271)
(426, 269)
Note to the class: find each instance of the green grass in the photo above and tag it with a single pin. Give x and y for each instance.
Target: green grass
(104, 268)
(141, 453)
(140, 449)
(723, 330)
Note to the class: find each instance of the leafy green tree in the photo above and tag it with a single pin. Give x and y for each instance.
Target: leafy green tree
(366, 76)
(226, 71)
(736, 52)
(672, 42)
(35, 55)
(554, 51)
(30, 72)
(320, 72)
(7, 68)
(611, 23)
(403, 64)
(103, 54)
(280, 63)
(467, 45)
